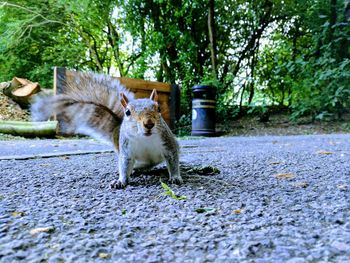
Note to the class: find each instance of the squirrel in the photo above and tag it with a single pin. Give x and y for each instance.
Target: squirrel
(99, 106)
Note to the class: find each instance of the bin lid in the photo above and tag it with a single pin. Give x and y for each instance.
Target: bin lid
(204, 88)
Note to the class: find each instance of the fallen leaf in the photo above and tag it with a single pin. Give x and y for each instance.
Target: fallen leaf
(301, 184)
(38, 230)
(103, 255)
(171, 193)
(237, 211)
(284, 175)
(66, 157)
(324, 152)
(17, 213)
(273, 163)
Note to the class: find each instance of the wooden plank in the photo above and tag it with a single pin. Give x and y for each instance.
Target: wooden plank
(59, 78)
(140, 84)
(131, 84)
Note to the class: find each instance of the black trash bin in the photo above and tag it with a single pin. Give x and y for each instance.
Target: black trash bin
(203, 110)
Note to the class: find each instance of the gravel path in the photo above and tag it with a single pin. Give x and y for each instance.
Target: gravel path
(276, 199)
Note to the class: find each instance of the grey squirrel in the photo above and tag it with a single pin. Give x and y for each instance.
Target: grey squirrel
(99, 106)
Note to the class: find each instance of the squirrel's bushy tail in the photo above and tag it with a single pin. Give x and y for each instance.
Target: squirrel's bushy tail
(90, 105)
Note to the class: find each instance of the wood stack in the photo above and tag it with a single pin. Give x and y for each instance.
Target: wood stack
(20, 90)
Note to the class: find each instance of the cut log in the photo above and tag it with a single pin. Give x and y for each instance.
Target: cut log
(27, 90)
(21, 90)
(4, 85)
(29, 129)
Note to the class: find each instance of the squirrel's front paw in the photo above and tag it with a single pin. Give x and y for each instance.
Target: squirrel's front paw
(117, 184)
(176, 180)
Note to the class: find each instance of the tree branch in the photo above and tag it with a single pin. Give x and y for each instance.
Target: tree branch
(3, 4)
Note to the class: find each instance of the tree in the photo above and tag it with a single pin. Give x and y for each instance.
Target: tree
(291, 53)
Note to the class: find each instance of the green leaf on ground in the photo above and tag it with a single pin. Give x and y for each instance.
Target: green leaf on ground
(170, 192)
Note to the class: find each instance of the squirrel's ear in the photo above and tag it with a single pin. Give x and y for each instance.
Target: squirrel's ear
(154, 95)
(124, 100)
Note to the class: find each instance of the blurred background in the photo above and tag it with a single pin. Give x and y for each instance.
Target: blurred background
(261, 56)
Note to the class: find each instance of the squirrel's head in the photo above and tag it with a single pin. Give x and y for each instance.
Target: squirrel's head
(143, 115)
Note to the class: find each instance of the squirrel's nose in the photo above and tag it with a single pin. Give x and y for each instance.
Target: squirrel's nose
(149, 124)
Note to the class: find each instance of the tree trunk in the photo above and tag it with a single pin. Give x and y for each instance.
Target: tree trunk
(241, 99)
(252, 68)
(294, 56)
(256, 35)
(332, 22)
(212, 37)
(113, 39)
(345, 43)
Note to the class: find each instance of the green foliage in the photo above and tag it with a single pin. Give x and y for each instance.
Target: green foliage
(226, 110)
(286, 53)
(255, 109)
(183, 126)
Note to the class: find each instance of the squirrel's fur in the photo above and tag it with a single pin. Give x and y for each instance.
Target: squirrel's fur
(90, 105)
(99, 106)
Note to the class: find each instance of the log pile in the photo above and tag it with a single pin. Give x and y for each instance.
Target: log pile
(15, 98)
(20, 90)
(10, 110)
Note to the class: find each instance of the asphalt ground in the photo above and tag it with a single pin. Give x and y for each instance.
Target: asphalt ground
(244, 199)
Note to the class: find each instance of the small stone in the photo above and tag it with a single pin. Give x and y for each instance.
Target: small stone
(38, 230)
(103, 255)
(210, 257)
(301, 184)
(21, 255)
(341, 246)
(6, 251)
(342, 187)
(185, 236)
(296, 260)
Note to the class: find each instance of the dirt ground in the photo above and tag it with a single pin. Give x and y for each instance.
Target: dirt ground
(280, 124)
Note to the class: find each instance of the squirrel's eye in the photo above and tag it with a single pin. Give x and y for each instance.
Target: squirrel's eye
(127, 112)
